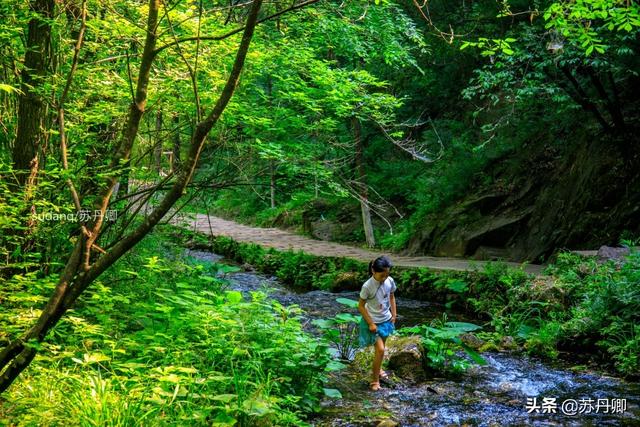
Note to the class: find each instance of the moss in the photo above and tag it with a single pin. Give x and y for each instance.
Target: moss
(490, 346)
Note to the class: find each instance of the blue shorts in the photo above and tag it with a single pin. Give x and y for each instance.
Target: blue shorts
(368, 338)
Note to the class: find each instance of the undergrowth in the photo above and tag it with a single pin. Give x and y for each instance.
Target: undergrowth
(162, 341)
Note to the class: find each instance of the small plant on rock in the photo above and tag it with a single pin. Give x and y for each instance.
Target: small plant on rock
(441, 346)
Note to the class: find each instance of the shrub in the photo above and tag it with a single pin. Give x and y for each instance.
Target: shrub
(441, 345)
(162, 342)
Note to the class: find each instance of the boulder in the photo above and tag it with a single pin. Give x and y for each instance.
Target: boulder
(402, 356)
(535, 201)
(607, 253)
(405, 358)
(471, 340)
(346, 281)
(508, 343)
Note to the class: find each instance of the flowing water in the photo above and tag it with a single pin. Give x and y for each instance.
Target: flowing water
(511, 390)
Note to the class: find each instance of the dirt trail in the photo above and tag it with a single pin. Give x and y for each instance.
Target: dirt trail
(284, 240)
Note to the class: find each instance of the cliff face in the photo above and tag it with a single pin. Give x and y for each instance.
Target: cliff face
(542, 200)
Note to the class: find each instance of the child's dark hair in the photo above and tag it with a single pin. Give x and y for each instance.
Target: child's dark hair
(379, 264)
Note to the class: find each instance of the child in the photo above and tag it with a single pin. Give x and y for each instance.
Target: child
(378, 308)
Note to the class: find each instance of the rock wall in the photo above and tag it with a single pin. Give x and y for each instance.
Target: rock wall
(541, 200)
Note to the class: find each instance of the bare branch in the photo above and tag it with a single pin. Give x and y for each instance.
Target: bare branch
(415, 149)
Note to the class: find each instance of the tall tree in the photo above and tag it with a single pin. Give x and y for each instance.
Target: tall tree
(31, 132)
(361, 177)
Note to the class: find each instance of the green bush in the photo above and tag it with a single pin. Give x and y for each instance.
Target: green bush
(580, 305)
(297, 269)
(441, 344)
(607, 311)
(160, 341)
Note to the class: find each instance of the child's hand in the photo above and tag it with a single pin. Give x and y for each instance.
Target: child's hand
(373, 328)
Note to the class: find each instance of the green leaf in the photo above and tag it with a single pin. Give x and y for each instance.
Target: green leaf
(257, 407)
(332, 392)
(334, 365)
(462, 326)
(473, 354)
(9, 89)
(171, 378)
(233, 297)
(226, 398)
(348, 302)
(347, 318)
(224, 420)
(323, 323)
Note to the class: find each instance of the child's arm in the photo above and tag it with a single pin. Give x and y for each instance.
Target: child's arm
(392, 301)
(365, 314)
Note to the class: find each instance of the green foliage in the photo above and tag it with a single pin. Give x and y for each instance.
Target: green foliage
(490, 47)
(398, 240)
(165, 343)
(341, 330)
(585, 22)
(544, 341)
(441, 344)
(494, 287)
(128, 344)
(581, 305)
(29, 236)
(606, 311)
(296, 269)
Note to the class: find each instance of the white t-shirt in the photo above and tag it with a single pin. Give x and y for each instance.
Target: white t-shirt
(377, 297)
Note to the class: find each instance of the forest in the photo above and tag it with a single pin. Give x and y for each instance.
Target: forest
(191, 192)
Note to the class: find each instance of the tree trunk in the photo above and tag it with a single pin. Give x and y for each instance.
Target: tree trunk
(31, 107)
(272, 184)
(272, 178)
(362, 184)
(157, 151)
(175, 166)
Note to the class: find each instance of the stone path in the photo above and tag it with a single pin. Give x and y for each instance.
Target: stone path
(284, 240)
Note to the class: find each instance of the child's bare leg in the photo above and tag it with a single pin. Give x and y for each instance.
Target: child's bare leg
(383, 374)
(377, 359)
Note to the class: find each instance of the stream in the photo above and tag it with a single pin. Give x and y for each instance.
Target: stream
(511, 390)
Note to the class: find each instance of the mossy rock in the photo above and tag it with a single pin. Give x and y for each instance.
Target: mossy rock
(471, 340)
(346, 281)
(489, 346)
(402, 356)
(363, 360)
(509, 343)
(405, 359)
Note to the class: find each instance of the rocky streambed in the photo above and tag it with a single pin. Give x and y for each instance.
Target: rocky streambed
(511, 390)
